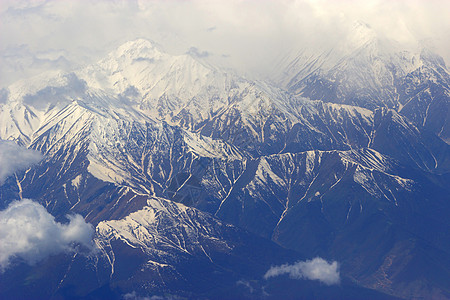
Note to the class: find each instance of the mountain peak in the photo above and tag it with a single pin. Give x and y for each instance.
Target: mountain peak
(138, 43)
(361, 33)
(138, 49)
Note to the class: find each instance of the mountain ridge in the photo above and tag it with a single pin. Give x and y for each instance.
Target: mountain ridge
(246, 156)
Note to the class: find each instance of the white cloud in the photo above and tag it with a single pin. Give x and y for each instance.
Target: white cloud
(314, 269)
(14, 158)
(251, 32)
(30, 233)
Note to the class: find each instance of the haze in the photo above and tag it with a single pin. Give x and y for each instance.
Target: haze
(246, 35)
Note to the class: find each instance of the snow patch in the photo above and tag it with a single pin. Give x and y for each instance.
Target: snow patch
(76, 181)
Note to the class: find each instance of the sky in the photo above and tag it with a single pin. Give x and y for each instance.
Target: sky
(37, 35)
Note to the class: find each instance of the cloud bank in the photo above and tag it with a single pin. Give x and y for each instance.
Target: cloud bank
(314, 269)
(14, 158)
(30, 233)
(40, 34)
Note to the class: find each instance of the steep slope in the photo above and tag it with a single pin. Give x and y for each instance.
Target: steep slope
(356, 206)
(162, 249)
(97, 161)
(161, 84)
(367, 187)
(367, 70)
(185, 91)
(425, 96)
(169, 250)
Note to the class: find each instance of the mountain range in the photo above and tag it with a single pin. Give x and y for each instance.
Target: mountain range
(198, 180)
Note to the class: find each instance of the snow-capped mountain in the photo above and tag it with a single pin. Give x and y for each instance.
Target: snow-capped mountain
(178, 163)
(370, 71)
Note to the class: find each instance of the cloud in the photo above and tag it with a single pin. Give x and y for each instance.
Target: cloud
(193, 51)
(20, 61)
(4, 94)
(28, 232)
(71, 86)
(253, 33)
(14, 158)
(315, 269)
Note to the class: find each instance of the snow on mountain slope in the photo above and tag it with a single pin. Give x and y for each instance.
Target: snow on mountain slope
(306, 173)
(183, 90)
(111, 153)
(373, 72)
(94, 132)
(425, 96)
(164, 248)
(170, 244)
(17, 123)
(31, 102)
(297, 64)
(207, 147)
(366, 77)
(96, 103)
(327, 202)
(159, 83)
(272, 185)
(95, 123)
(162, 227)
